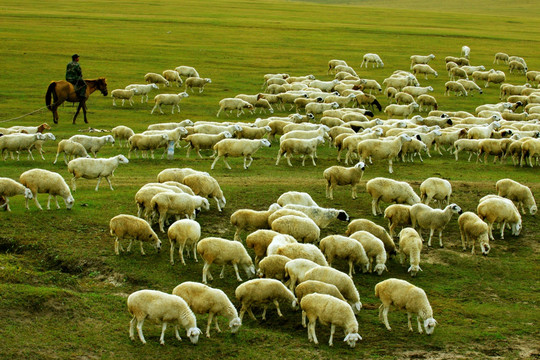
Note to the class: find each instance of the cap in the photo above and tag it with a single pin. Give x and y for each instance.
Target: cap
(74, 56)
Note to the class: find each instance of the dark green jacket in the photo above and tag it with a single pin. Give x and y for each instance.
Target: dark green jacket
(73, 72)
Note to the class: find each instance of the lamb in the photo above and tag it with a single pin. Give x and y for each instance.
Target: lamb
(247, 219)
(437, 189)
(381, 149)
(500, 56)
(184, 233)
(122, 94)
(173, 77)
(168, 99)
(496, 209)
(203, 299)
(262, 292)
(470, 86)
(424, 69)
(296, 197)
(391, 191)
(517, 66)
(122, 132)
(405, 296)
(339, 175)
(403, 98)
(473, 229)
(455, 87)
(187, 71)
(233, 104)
(44, 181)
(393, 110)
(342, 247)
(294, 250)
(371, 58)
(375, 250)
(155, 79)
(273, 267)
(317, 108)
(259, 241)
(220, 251)
(417, 90)
(165, 203)
(426, 103)
(142, 89)
(305, 147)
(458, 73)
(376, 230)
(128, 226)
(410, 245)
(147, 142)
(470, 145)
(421, 59)
(204, 141)
(17, 142)
(424, 217)
(302, 229)
(321, 216)
(341, 280)
(197, 82)
(238, 147)
(92, 144)
(520, 194)
(465, 51)
(89, 168)
(161, 307)
(329, 309)
(9, 187)
(176, 174)
(70, 148)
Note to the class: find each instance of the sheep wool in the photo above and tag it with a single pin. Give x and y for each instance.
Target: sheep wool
(342, 247)
(391, 191)
(339, 175)
(128, 226)
(205, 185)
(296, 270)
(9, 187)
(472, 230)
(424, 217)
(410, 245)
(44, 181)
(259, 241)
(321, 216)
(89, 168)
(302, 229)
(247, 219)
(520, 194)
(374, 249)
(184, 233)
(376, 230)
(273, 267)
(262, 292)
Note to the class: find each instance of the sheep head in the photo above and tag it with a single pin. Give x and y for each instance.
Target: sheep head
(352, 338)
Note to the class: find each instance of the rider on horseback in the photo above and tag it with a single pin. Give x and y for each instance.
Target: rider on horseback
(74, 76)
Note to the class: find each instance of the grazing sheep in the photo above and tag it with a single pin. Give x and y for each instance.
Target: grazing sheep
(187, 71)
(403, 98)
(18, 142)
(458, 73)
(410, 245)
(333, 63)
(391, 191)
(247, 219)
(371, 58)
(170, 125)
(460, 61)
(282, 212)
(394, 110)
(144, 143)
(421, 59)
(220, 251)
(405, 296)
(262, 292)
(296, 269)
(316, 108)
(238, 147)
(296, 197)
(471, 69)
(184, 233)
(339, 175)
(376, 230)
(155, 79)
(345, 68)
(302, 229)
(426, 103)
(9, 187)
(520, 194)
(465, 51)
(294, 250)
(500, 210)
(282, 239)
(204, 141)
(142, 89)
(70, 148)
(205, 185)
(529, 149)
(259, 241)
(375, 250)
(329, 310)
(122, 132)
(197, 82)
(304, 147)
(273, 267)
(381, 149)
(202, 299)
(470, 86)
(315, 286)
(173, 77)
(161, 307)
(321, 216)
(424, 69)
(176, 174)
(177, 204)
(437, 189)
(342, 247)
(455, 87)
(128, 226)
(473, 229)
(233, 104)
(122, 94)
(424, 217)
(44, 181)
(496, 77)
(93, 144)
(517, 66)
(89, 168)
(168, 99)
(399, 82)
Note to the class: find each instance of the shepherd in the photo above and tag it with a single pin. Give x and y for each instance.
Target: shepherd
(74, 89)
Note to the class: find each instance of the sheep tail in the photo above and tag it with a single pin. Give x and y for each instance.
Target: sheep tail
(51, 91)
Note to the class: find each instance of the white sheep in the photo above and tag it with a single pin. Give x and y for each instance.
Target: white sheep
(458, 73)
(329, 310)
(122, 132)
(424, 69)
(316, 108)
(390, 191)
(172, 76)
(424, 217)
(128, 226)
(89, 168)
(333, 63)
(410, 246)
(375, 250)
(371, 58)
(161, 307)
(403, 98)
(470, 145)
(259, 241)
(142, 89)
(17, 142)
(343, 247)
(202, 299)
(339, 175)
(405, 296)
(302, 229)
(517, 67)
(315, 286)
(341, 280)
(9, 187)
(197, 82)
(376, 230)
(471, 69)
(184, 233)
(294, 250)
(173, 135)
(282, 212)
(470, 86)
(44, 181)
(238, 147)
(147, 142)
(473, 229)
(168, 99)
(155, 78)
(345, 68)
(296, 269)
(70, 148)
(273, 267)
(500, 210)
(248, 219)
(426, 103)
(253, 133)
(122, 94)
(176, 174)
(394, 110)
(262, 292)
(27, 129)
(520, 194)
(296, 197)
(421, 59)
(321, 216)
(496, 77)
(455, 87)
(187, 71)
(437, 189)
(93, 144)
(397, 215)
(214, 250)
(165, 204)
(170, 125)
(280, 240)
(233, 104)
(144, 196)
(382, 149)
(304, 147)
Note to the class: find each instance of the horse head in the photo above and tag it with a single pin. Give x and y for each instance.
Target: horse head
(101, 85)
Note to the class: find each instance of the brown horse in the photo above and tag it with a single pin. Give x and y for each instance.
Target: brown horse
(60, 91)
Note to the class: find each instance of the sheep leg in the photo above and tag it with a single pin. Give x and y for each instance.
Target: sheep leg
(109, 181)
(162, 337)
(374, 204)
(385, 316)
(277, 308)
(409, 315)
(129, 245)
(440, 239)
(502, 229)
(288, 157)
(311, 326)
(142, 250)
(278, 157)
(214, 162)
(313, 158)
(264, 313)
(195, 252)
(250, 161)
(431, 231)
(210, 318)
(236, 271)
(172, 253)
(176, 333)
(139, 330)
(215, 322)
(419, 324)
(390, 170)
(351, 268)
(226, 163)
(204, 272)
(132, 328)
(332, 331)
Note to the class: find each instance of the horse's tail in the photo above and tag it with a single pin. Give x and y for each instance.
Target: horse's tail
(51, 90)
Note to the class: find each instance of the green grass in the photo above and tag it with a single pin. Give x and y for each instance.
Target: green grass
(62, 290)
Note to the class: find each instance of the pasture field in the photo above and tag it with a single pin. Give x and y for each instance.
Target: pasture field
(63, 290)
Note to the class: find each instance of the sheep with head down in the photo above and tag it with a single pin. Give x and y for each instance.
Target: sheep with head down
(8, 188)
(89, 168)
(248, 219)
(520, 194)
(391, 191)
(205, 185)
(472, 230)
(128, 226)
(376, 230)
(238, 148)
(375, 251)
(262, 292)
(410, 246)
(154, 78)
(496, 209)
(45, 181)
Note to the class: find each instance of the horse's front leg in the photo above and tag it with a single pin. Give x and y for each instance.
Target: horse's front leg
(77, 112)
(84, 112)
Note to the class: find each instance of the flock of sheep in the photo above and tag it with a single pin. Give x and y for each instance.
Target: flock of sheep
(293, 262)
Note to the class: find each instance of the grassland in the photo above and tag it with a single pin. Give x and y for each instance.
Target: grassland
(62, 291)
